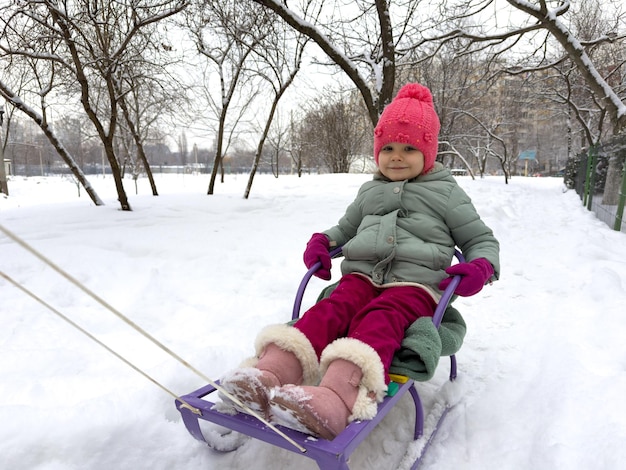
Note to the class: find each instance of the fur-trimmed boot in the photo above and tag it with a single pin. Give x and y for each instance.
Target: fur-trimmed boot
(351, 388)
(284, 356)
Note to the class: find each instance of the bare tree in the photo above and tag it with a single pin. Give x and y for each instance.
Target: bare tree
(4, 186)
(453, 151)
(225, 34)
(360, 41)
(296, 147)
(133, 129)
(145, 95)
(42, 122)
(496, 145)
(545, 21)
(575, 50)
(33, 81)
(277, 141)
(278, 69)
(334, 133)
(90, 42)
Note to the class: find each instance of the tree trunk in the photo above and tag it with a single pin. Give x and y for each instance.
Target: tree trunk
(56, 143)
(4, 186)
(141, 154)
(218, 153)
(259, 149)
(117, 174)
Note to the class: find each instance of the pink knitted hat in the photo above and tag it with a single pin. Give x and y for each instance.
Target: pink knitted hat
(410, 119)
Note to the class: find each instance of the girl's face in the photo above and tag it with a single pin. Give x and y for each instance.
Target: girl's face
(400, 162)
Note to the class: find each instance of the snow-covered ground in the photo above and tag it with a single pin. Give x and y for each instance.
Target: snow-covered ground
(542, 373)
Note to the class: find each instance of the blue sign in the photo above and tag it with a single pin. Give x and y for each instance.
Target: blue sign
(528, 155)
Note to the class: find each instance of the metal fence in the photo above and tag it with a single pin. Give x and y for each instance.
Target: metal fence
(599, 178)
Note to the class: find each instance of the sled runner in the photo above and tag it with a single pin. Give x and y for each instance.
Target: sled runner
(410, 366)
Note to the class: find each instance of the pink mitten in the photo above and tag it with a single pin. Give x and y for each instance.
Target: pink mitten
(317, 251)
(474, 276)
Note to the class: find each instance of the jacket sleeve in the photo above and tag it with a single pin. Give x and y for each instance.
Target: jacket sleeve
(473, 237)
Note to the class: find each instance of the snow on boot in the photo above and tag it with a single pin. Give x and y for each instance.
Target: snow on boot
(350, 389)
(322, 410)
(250, 385)
(284, 356)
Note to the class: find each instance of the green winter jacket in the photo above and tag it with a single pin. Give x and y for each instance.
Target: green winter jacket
(406, 231)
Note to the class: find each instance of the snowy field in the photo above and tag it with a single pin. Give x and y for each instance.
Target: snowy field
(542, 373)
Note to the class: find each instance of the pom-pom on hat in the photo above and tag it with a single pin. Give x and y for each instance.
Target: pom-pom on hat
(410, 119)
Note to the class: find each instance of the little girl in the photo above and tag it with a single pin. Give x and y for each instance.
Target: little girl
(398, 239)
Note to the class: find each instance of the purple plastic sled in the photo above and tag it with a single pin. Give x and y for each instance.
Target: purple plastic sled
(329, 455)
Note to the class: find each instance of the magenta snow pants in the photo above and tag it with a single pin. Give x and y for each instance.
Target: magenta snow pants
(374, 315)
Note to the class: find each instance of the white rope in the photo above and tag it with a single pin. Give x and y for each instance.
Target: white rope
(85, 332)
(137, 328)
